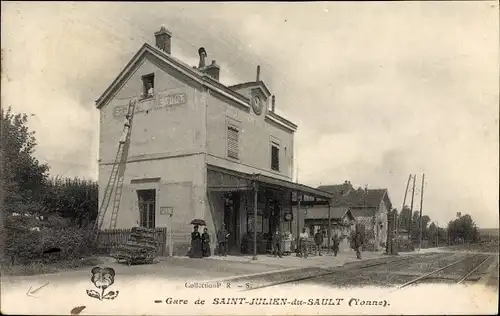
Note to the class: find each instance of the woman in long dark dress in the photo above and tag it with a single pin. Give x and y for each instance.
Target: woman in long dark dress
(205, 243)
(195, 244)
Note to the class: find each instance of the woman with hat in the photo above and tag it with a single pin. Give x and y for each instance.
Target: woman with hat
(205, 243)
(195, 251)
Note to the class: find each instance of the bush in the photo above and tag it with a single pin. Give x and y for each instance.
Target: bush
(404, 245)
(74, 243)
(24, 245)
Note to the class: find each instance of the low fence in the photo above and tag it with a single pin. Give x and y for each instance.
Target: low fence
(113, 238)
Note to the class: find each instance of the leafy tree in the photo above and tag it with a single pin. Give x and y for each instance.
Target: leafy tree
(431, 233)
(23, 180)
(23, 176)
(463, 229)
(435, 233)
(404, 218)
(74, 199)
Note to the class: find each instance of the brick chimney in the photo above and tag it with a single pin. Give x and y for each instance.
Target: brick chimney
(273, 103)
(163, 40)
(213, 70)
(346, 188)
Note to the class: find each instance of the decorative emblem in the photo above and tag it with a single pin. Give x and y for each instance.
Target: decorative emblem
(257, 104)
(102, 279)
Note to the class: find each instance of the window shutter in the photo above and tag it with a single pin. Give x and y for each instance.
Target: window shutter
(232, 142)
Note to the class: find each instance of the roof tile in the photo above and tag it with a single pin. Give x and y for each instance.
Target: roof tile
(347, 195)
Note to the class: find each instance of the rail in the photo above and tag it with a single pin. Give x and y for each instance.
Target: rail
(427, 275)
(334, 271)
(474, 270)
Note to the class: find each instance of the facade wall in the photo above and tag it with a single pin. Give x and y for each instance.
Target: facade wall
(380, 217)
(179, 185)
(255, 136)
(174, 135)
(378, 237)
(166, 150)
(367, 221)
(158, 130)
(340, 230)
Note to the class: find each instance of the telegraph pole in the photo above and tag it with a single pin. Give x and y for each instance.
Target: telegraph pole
(421, 203)
(297, 237)
(329, 235)
(255, 208)
(411, 209)
(437, 235)
(402, 207)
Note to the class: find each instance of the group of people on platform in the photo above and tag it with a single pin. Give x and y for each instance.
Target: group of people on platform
(200, 243)
(302, 250)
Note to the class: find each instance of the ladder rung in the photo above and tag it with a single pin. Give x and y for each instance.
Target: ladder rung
(116, 178)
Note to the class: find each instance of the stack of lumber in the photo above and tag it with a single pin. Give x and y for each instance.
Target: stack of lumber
(140, 247)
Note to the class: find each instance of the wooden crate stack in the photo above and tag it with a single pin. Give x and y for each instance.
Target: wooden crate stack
(140, 247)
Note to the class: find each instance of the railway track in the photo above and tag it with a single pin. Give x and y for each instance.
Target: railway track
(476, 262)
(312, 273)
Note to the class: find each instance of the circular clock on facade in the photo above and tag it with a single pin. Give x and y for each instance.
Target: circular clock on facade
(257, 104)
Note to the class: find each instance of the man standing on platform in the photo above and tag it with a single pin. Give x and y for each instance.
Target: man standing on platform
(336, 242)
(318, 240)
(303, 239)
(277, 243)
(222, 235)
(358, 243)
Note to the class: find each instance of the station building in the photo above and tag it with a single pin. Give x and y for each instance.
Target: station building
(198, 150)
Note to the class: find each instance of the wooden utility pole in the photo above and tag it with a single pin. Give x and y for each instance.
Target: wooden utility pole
(437, 235)
(411, 209)
(255, 202)
(329, 235)
(402, 207)
(420, 217)
(297, 238)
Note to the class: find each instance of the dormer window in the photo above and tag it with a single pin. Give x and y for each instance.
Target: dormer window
(148, 85)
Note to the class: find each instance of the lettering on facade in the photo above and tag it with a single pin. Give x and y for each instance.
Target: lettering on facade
(161, 101)
(171, 100)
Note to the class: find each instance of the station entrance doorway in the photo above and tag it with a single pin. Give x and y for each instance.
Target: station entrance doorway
(232, 221)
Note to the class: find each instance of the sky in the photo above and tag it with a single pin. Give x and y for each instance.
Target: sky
(379, 90)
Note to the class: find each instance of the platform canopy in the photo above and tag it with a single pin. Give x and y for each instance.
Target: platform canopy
(222, 179)
(301, 189)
